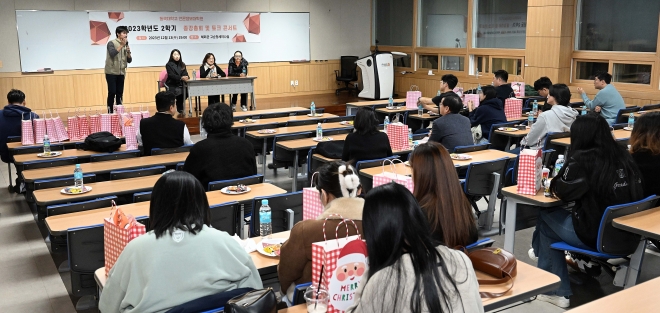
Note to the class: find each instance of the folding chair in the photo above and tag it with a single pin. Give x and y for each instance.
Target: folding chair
(161, 151)
(484, 179)
(140, 172)
(115, 156)
(224, 217)
(286, 211)
(141, 196)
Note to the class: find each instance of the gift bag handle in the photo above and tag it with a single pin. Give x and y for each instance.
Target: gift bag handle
(345, 222)
(414, 88)
(325, 238)
(311, 182)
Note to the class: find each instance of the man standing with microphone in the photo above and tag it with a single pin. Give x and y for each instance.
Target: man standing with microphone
(117, 57)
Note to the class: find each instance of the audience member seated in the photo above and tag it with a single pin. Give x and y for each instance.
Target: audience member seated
(222, 155)
(558, 119)
(451, 129)
(599, 173)
(504, 90)
(366, 142)
(10, 120)
(183, 258)
(645, 149)
(542, 86)
(439, 193)
(608, 100)
(447, 84)
(162, 130)
(489, 112)
(408, 271)
(338, 184)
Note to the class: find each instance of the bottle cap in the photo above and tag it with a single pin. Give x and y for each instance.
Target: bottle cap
(319, 124)
(264, 202)
(45, 136)
(561, 156)
(77, 165)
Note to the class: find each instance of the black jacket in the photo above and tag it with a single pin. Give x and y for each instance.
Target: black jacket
(488, 113)
(359, 147)
(10, 125)
(649, 166)
(174, 74)
(578, 181)
(221, 156)
(203, 73)
(237, 70)
(161, 131)
(504, 92)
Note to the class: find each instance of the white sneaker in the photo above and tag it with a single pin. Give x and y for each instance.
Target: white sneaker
(559, 301)
(532, 256)
(244, 108)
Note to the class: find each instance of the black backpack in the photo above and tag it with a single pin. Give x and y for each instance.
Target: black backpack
(102, 142)
(330, 149)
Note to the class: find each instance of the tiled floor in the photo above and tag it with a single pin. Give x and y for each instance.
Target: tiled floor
(30, 282)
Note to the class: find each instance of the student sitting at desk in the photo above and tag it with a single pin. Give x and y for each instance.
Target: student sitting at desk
(366, 142)
(608, 100)
(451, 129)
(211, 70)
(542, 86)
(503, 88)
(447, 84)
(599, 173)
(489, 112)
(408, 271)
(162, 130)
(183, 258)
(645, 149)
(222, 155)
(10, 120)
(558, 119)
(337, 183)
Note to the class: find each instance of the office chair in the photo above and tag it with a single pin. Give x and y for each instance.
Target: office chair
(348, 73)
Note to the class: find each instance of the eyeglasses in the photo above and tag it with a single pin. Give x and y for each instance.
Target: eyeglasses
(238, 57)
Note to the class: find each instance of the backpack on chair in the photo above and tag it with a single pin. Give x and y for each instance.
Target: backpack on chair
(102, 142)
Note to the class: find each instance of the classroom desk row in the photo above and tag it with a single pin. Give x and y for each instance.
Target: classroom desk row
(281, 121)
(66, 153)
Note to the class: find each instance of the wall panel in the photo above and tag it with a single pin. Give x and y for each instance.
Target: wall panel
(33, 87)
(58, 91)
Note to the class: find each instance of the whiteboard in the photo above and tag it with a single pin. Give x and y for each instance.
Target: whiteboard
(60, 40)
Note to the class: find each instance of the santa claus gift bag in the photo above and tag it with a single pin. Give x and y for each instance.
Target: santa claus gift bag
(412, 97)
(312, 206)
(397, 133)
(471, 97)
(118, 230)
(530, 168)
(390, 174)
(83, 126)
(518, 89)
(27, 131)
(130, 133)
(137, 117)
(145, 113)
(338, 266)
(513, 108)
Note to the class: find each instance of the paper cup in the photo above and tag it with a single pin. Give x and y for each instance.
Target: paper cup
(317, 302)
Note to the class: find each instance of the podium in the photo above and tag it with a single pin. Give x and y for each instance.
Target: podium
(378, 74)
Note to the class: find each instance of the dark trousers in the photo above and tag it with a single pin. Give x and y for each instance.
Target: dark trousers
(216, 99)
(179, 102)
(115, 89)
(243, 99)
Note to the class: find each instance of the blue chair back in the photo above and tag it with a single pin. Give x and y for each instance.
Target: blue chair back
(124, 174)
(612, 240)
(179, 166)
(99, 203)
(86, 255)
(36, 149)
(496, 141)
(224, 217)
(650, 107)
(299, 293)
(114, 156)
(622, 116)
(471, 148)
(249, 180)
(142, 196)
(49, 163)
(209, 304)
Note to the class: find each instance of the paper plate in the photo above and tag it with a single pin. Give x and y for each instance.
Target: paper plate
(67, 190)
(627, 128)
(393, 108)
(460, 157)
(230, 192)
(508, 129)
(346, 122)
(315, 115)
(267, 131)
(51, 155)
(322, 139)
(247, 121)
(270, 241)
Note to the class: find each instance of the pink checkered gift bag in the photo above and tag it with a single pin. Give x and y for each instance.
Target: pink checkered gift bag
(312, 206)
(530, 169)
(518, 88)
(39, 125)
(27, 130)
(137, 117)
(94, 123)
(130, 132)
(513, 108)
(50, 128)
(398, 136)
(342, 262)
(83, 126)
(73, 129)
(118, 231)
(471, 97)
(412, 96)
(119, 109)
(106, 122)
(390, 175)
(115, 125)
(145, 113)
(59, 127)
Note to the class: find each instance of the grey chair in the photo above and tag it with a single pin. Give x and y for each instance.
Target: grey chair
(224, 217)
(485, 179)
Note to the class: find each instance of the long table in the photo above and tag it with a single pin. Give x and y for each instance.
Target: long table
(105, 166)
(619, 134)
(352, 107)
(240, 114)
(645, 223)
(217, 86)
(80, 154)
(16, 145)
(639, 114)
(281, 121)
(638, 299)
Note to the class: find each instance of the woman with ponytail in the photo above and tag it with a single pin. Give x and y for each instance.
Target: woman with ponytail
(338, 186)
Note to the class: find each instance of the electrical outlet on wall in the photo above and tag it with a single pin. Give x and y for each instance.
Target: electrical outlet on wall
(296, 82)
(292, 83)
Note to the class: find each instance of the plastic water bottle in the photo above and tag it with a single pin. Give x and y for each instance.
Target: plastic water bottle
(386, 123)
(535, 107)
(202, 131)
(631, 121)
(78, 176)
(530, 120)
(194, 77)
(245, 71)
(319, 131)
(410, 138)
(46, 145)
(390, 102)
(558, 165)
(438, 93)
(584, 110)
(420, 110)
(312, 109)
(265, 226)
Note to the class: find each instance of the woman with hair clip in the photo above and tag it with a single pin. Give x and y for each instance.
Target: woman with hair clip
(177, 74)
(645, 148)
(598, 174)
(439, 193)
(178, 260)
(211, 70)
(338, 186)
(408, 271)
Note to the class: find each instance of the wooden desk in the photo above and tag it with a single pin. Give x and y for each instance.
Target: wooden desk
(645, 223)
(22, 158)
(514, 134)
(352, 107)
(638, 299)
(529, 282)
(15, 145)
(59, 224)
(513, 199)
(218, 86)
(105, 166)
(619, 134)
(521, 118)
(639, 114)
(398, 109)
(270, 111)
(281, 121)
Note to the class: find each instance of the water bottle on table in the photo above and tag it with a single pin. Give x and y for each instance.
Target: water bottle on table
(390, 102)
(535, 107)
(194, 76)
(312, 109)
(319, 132)
(584, 110)
(558, 165)
(410, 138)
(46, 145)
(530, 120)
(420, 109)
(386, 123)
(631, 121)
(265, 226)
(78, 177)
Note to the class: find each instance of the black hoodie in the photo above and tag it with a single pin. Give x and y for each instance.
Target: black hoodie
(489, 112)
(237, 70)
(10, 125)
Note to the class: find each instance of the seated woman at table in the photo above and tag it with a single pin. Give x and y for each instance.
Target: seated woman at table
(222, 155)
(489, 112)
(176, 75)
(439, 193)
(238, 67)
(338, 184)
(645, 149)
(211, 70)
(366, 142)
(558, 119)
(408, 271)
(598, 174)
(177, 261)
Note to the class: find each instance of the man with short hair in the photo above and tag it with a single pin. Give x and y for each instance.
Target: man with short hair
(504, 90)
(162, 130)
(10, 120)
(542, 86)
(447, 84)
(608, 100)
(117, 57)
(451, 129)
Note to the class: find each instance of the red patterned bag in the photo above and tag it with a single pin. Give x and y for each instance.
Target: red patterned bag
(130, 132)
(312, 206)
(83, 126)
(387, 177)
(50, 128)
(137, 117)
(530, 169)
(115, 125)
(39, 125)
(119, 109)
(412, 96)
(94, 123)
(343, 262)
(145, 113)
(471, 97)
(118, 230)
(513, 108)
(398, 136)
(106, 122)
(27, 130)
(59, 127)
(73, 128)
